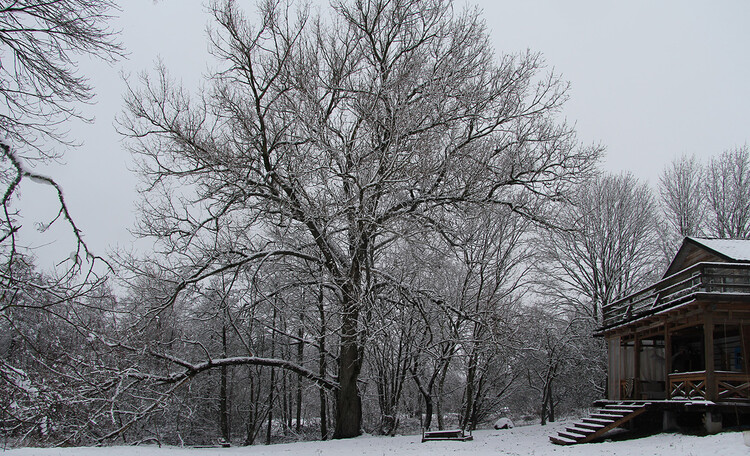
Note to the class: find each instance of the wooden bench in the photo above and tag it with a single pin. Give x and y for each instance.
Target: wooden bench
(448, 434)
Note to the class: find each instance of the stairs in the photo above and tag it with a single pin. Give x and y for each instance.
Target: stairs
(598, 423)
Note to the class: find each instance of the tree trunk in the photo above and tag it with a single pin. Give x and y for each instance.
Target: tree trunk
(251, 423)
(551, 404)
(300, 356)
(286, 416)
(272, 382)
(543, 414)
(223, 396)
(468, 405)
(270, 406)
(348, 402)
(322, 365)
(425, 393)
(441, 392)
(427, 412)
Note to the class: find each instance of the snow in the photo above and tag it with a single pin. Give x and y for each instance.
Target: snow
(737, 249)
(19, 379)
(521, 440)
(503, 423)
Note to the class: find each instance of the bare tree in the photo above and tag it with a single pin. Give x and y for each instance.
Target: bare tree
(607, 249)
(326, 138)
(728, 194)
(681, 190)
(555, 357)
(683, 203)
(41, 89)
(493, 261)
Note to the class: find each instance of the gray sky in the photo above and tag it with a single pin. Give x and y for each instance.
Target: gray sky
(650, 81)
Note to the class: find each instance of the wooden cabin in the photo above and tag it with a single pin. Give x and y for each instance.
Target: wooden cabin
(679, 349)
(686, 337)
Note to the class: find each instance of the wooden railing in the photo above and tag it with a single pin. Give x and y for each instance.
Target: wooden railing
(715, 278)
(688, 385)
(733, 385)
(692, 385)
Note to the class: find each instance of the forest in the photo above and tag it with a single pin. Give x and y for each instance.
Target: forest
(369, 220)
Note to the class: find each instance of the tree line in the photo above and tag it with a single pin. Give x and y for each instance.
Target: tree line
(366, 221)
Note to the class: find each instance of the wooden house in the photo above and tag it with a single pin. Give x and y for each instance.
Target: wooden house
(682, 345)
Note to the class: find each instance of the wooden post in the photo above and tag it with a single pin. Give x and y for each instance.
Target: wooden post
(637, 368)
(667, 359)
(708, 342)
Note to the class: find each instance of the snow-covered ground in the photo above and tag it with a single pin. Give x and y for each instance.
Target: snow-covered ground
(523, 440)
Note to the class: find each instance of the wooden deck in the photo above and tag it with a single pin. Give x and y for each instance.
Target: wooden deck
(700, 281)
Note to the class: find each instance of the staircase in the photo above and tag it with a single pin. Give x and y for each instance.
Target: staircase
(598, 423)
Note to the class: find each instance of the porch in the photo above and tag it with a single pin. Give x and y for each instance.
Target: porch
(687, 337)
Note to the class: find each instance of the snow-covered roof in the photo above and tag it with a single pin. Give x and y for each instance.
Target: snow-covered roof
(735, 249)
(732, 250)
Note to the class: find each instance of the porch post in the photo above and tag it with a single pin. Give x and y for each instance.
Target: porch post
(667, 359)
(637, 368)
(708, 342)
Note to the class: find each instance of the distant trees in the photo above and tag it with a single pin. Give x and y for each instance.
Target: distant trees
(707, 199)
(326, 141)
(728, 194)
(603, 247)
(681, 189)
(557, 361)
(52, 363)
(606, 249)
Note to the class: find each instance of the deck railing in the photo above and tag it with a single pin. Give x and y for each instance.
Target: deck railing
(692, 385)
(713, 278)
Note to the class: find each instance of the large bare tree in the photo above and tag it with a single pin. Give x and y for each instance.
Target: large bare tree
(324, 138)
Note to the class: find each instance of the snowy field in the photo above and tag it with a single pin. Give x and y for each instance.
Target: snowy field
(526, 440)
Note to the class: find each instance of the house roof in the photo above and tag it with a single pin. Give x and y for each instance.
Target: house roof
(731, 250)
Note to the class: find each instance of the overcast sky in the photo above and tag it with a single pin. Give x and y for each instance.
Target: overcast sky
(651, 80)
